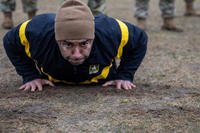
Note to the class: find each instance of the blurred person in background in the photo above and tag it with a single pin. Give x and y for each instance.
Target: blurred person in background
(167, 9)
(8, 6)
(96, 6)
(189, 9)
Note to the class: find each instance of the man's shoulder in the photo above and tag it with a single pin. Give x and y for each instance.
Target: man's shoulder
(40, 28)
(44, 18)
(41, 24)
(105, 25)
(103, 20)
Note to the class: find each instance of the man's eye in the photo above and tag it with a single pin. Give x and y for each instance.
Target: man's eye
(66, 44)
(85, 43)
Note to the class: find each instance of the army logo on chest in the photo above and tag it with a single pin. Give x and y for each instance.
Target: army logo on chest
(93, 69)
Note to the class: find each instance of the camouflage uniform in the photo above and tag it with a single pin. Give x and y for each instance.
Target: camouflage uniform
(96, 6)
(9, 5)
(189, 8)
(166, 7)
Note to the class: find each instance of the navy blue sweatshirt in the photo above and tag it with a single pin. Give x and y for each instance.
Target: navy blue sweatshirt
(33, 50)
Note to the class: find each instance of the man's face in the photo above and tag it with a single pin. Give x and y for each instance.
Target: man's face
(75, 51)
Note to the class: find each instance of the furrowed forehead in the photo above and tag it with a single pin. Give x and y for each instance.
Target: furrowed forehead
(76, 41)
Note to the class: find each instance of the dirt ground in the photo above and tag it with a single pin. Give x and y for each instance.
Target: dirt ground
(166, 100)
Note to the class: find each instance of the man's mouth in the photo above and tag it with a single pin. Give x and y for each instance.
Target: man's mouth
(76, 62)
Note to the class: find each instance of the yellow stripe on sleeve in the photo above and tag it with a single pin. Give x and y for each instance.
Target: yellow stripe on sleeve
(124, 38)
(23, 39)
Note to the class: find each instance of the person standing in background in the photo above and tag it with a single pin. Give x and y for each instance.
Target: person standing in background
(189, 9)
(167, 9)
(8, 6)
(96, 6)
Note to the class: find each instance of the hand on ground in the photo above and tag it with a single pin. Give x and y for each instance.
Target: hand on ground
(120, 84)
(35, 85)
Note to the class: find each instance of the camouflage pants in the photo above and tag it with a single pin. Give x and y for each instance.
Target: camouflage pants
(96, 6)
(9, 5)
(166, 7)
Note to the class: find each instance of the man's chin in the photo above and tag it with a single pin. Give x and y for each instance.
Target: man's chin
(76, 63)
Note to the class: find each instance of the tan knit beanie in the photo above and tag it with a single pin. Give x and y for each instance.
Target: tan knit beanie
(74, 20)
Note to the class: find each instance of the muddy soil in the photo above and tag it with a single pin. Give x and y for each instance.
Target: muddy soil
(167, 97)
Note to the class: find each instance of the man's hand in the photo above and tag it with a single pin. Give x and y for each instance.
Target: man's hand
(120, 84)
(35, 85)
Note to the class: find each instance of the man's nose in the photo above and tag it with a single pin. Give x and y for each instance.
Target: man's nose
(76, 53)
